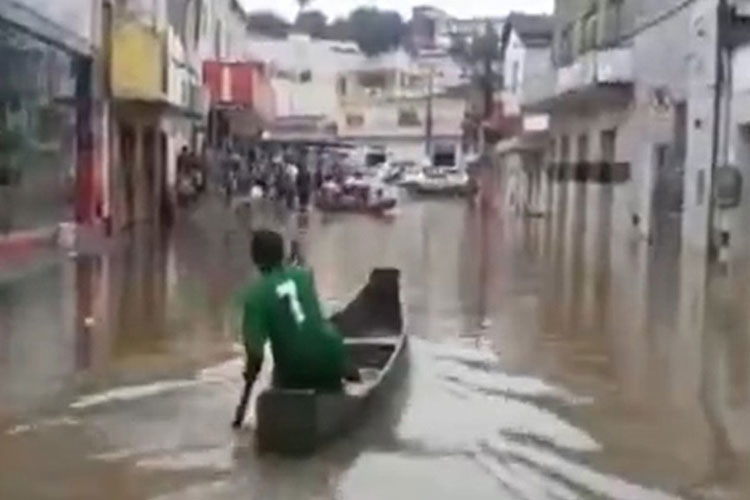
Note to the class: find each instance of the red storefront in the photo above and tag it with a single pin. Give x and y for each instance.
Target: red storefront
(242, 99)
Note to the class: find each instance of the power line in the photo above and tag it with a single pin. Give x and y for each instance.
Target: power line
(656, 20)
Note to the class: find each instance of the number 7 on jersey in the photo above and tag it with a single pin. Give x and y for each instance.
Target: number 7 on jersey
(288, 290)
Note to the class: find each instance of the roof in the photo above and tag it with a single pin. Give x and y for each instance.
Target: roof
(533, 30)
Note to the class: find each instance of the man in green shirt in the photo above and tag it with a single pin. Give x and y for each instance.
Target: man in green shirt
(283, 308)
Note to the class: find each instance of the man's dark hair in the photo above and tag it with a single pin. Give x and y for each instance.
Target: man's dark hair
(267, 250)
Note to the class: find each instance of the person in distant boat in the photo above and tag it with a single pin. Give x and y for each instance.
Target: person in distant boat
(283, 309)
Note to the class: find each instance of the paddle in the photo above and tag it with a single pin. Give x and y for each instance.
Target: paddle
(239, 414)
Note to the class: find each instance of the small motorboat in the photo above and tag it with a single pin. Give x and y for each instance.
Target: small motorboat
(297, 422)
(355, 195)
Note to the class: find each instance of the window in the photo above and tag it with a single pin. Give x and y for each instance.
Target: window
(552, 150)
(355, 120)
(198, 28)
(583, 148)
(613, 26)
(582, 167)
(342, 86)
(444, 155)
(661, 156)
(565, 55)
(587, 32)
(564, 149)
(408, 117)
(680, 132)
(608, 142)
(515, 77)
(372, 79)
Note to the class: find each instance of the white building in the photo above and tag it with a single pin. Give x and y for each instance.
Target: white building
(386, 102)
(435, 28)
(304, 71)
(526, 48)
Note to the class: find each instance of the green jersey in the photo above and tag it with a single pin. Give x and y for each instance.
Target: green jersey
(283, 308)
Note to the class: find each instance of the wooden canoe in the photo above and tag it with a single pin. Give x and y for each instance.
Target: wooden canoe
(297, 422)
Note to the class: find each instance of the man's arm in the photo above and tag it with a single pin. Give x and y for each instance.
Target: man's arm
(252, 368)
(254, 335)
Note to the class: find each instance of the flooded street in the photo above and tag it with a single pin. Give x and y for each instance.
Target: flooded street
(547, 361)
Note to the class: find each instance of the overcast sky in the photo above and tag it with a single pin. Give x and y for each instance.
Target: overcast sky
(457, 8)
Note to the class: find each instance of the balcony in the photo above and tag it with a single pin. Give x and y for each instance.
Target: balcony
(137, 68)
(602, 67)
(596, 76)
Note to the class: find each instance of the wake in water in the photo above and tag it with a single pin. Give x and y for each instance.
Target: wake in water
(460, 405)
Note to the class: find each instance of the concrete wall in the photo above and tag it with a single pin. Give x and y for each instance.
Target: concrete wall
(661, 57)
(735, 150)
(514, 70)
(381, 117)
(701, 75)
(739, 152)
(399, 148)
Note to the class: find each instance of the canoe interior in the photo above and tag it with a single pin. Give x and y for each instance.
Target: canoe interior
(370, 355)
(297, 422)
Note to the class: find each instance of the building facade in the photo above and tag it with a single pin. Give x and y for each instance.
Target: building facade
(50, 115)
(156, 106)
(526, 55)
(397, 102)
(160, 96)
(617, 99)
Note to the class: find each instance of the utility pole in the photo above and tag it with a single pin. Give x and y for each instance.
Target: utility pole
(428, 132)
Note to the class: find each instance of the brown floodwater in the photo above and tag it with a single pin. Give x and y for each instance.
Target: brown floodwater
(550, 359)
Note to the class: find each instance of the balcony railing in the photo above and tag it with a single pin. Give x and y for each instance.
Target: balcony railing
(609, 66)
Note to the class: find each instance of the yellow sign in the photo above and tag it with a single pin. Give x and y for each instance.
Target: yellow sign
(137, 68)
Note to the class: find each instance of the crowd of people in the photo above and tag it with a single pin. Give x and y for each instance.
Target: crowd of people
(289, 178)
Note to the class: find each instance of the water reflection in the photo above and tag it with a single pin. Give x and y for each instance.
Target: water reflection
(649, 340)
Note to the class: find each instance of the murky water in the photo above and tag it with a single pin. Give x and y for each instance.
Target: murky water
(544, 364)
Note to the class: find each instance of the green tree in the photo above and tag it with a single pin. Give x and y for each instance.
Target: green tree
(267, 23)
(313, 22)
(459, 49)
(376, 31)
(482, 57)
(339, 29)
(486, 55)
(302, 4)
